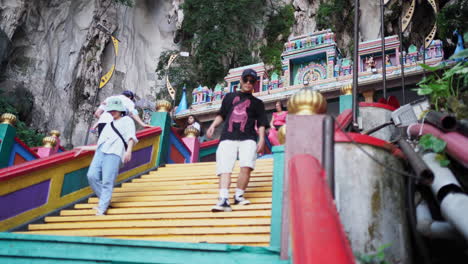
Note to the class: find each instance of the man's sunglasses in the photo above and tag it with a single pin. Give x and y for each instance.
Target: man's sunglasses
(251, 81)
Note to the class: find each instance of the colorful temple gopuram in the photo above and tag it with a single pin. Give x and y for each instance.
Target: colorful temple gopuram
(314, 61)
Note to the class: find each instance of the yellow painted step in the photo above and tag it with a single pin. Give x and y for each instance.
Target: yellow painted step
(192, 181)
(197, 177)
(190, 174)
(258, 166)
(156, 187)
(204, 169)
(145, 210)
(247, 239)
(156, 231)
(183, 223)
(213, 163)
(118, 192)
(165, 203)
(170, 184)
(191, 197)
(192, 215)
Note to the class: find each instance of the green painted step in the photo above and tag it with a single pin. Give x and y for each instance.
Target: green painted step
(39, 249)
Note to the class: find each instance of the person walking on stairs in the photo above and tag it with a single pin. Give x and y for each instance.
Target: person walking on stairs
(242, 112)
(113, 148)
(104, 117)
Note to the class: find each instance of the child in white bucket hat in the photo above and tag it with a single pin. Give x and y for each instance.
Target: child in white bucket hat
(113, 148)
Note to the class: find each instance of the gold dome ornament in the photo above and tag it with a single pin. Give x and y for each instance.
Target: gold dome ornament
(163, 106)
(8, 118)
(55, 133)
(49, 142)
(191, 132)
(347, 89)
(282, 134)
(307, 102)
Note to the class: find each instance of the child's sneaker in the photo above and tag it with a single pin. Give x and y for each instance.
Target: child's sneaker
(99, 212)
(240, 200)
(222, 206)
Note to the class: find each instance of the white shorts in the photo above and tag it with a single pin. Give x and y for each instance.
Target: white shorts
(227, 153)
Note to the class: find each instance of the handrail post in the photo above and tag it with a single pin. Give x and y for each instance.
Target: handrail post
(277, 197)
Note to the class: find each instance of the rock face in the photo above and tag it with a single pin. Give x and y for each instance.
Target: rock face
(369, 24)
(57, 52)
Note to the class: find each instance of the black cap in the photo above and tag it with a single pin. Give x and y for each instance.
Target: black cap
(129, 94)
(249, 72)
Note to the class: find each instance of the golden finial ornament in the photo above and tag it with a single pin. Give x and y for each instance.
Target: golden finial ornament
(55, 133)
(307, 102)
(8, 118)
(49, 142)
(163, 106)
(347, 89)
(191, 132)
(282, 134)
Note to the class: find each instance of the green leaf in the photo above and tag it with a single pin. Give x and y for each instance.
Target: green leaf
(430, 142)
(431, 68)
(438, 145)
(384, 246)
(465, 37)
(444, 163)
(424, 91)
(426, 141)
(440, 86)
(426, 79)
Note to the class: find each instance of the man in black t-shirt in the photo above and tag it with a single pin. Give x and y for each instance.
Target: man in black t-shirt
(242, 112)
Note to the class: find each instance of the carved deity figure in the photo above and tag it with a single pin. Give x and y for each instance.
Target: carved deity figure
(388, 62)
(370, 63)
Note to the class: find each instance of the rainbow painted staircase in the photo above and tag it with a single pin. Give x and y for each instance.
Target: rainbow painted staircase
(170, 206)
(173, 204)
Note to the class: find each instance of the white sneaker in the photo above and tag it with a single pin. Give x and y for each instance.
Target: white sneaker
(222, 206)
(98, 213)
(240, 200)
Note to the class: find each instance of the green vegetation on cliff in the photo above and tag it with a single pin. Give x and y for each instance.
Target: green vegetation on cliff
(220, 33)
(338, 16)
(224, 34)
(20, 104)
(277, 30)
(453, 16)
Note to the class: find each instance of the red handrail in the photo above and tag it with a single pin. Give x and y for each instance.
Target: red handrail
(42, 163)
(317, 233)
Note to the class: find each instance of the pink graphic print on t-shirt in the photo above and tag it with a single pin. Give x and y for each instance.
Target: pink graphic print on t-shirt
(239, 114)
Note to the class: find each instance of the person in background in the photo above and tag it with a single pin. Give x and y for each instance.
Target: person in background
(104, 117)
(113, 148)
(193, 122)
(241, 111)
(278, 119)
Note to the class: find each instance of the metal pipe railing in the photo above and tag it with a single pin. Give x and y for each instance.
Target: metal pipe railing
(328, 152)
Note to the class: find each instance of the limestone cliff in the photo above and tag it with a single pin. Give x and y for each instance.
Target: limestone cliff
(55, 50)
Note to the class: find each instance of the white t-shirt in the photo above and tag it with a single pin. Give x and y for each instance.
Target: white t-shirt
(196, 125)
(111, 143)
(127, 103)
